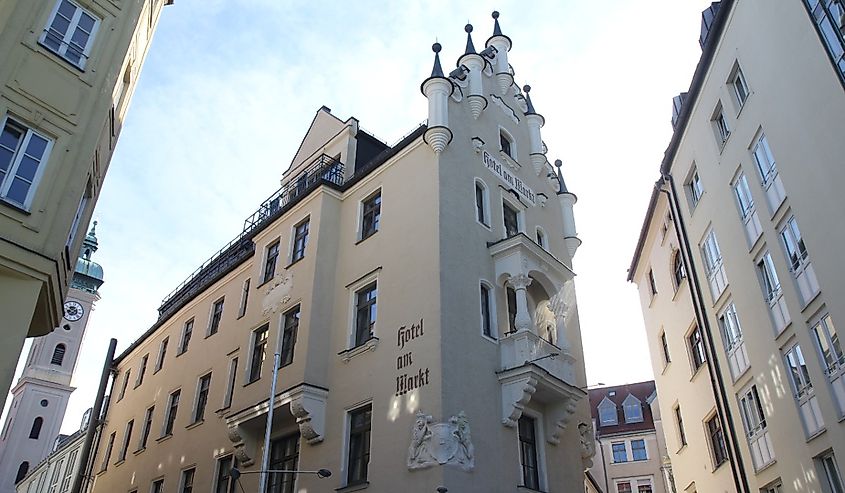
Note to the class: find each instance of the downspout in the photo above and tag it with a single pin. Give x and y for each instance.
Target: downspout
(604, 466)
(713, 368)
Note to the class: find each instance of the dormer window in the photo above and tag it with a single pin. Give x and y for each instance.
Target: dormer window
(607, 413)
(633, 409)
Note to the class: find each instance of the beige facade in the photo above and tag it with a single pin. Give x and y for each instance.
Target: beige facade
(421, 300)
(69, 69)
(738, 263)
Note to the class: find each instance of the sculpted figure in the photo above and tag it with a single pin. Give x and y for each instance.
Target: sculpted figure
(466, 451)
(545, 322)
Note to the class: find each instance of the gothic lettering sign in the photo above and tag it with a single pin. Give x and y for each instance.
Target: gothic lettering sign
(509, 178)
(411, 377)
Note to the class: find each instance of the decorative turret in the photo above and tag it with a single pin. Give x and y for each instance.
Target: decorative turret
(89, 274)
(437, 89)
(502, 44)
(567, 201)
(475, 63)
(535, 121)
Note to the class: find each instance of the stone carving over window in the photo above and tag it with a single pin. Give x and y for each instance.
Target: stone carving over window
(588, 444)
(434, 444)
(278, 293)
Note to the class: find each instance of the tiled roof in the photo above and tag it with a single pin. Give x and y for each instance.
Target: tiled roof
(617, 395)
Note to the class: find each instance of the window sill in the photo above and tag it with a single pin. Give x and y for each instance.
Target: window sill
(816, 434)
(369, 345)
(765, 466)
(681, 448)
(296, 261)
(521, 488)
(180, 353)
(14, 206)
(250, 382)
(717, 466)
(64, 60)
(209, 334)
(665, 367)
(364, 238)
(118, 463)
(265, 282)
(139, 451)
(490, 339)
(353, 487)
(485, 226)
(164, 437)
(195, 424)
(697, 371)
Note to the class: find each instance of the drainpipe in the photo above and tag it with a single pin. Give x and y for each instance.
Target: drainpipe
(713, 368)
(95, 421)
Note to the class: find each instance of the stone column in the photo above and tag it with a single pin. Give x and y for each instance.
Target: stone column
(519, 283)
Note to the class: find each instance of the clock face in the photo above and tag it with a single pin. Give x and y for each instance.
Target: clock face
(73, 311)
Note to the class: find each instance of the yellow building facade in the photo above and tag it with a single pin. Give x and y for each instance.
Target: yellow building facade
(69, 69)
(738, 264)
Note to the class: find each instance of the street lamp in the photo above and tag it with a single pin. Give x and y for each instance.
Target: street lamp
(321, 473)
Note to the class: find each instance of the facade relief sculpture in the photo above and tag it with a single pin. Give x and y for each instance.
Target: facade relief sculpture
(277, 294)
(434, 444)
(588, 444)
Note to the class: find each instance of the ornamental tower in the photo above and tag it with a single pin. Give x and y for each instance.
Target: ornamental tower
(41, 395)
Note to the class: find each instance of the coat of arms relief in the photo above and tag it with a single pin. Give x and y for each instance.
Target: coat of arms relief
(434, 444)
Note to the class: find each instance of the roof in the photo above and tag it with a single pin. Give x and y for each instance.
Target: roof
(652, 204)
(640, 390)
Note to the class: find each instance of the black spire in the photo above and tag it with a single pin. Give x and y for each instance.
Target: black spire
(527, 89)
(470, 47)
(437, 71)
(497, 31)
(562, 185)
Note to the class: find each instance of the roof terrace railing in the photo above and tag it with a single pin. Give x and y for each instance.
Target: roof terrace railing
(323, 170)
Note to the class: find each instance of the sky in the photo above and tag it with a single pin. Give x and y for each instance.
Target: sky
(230, 86)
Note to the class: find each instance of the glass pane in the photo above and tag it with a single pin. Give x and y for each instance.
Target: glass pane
(86, 22)
(36, 147)
(60, 26)
(80, 39)
(10, 138)
(18, 190)
(27, 168)
(5, 159)
(67, 9)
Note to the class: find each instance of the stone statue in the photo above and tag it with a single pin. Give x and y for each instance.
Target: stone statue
(448, 443)
(588, 444)
(466, 452)
(419, 437)
(544, 321)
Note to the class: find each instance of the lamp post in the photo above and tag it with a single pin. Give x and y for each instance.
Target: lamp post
(265, 458)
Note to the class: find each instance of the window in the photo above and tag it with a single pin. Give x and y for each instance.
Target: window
(644, 486)
(832, 478)
(162, 351)
(730, 328)
(58, 355)
(54, 479)
(768, 277)
(270, 261)
(511, 219)
(77, 219)
(506, 144)
(740, 88)
(284, 456)
(365, 313)
(22, 470)
(142, 370)
(187, 331)
(370, 215)
(527, 430)
(359, 444)
(69, 470)
(541, 238)
(125, 384)
(35, 430)
(712, 256)
(223, 482)
(752, 412)
(797, 370)
(765, 160)
(289, 336)
(679, 271)
(230, 389)
(664, 344)
(696, 346)
(694, 187)
(157, 486)
(638, 451)
(652, 284)
(828, 16)
(775, 488)
(623, 487)
(259, 347)
(188, 480)
(717, 441)
(172, 408)
(743, 196)
(481, 203)
(70, 32)
(607, 413)
(22, 151)
(109, 448)
(829, 346)
(486, 312)
(633, 409)
(216, 315)
(796, 251)
(300, 239)
(148, 425)
(511, 299)
(679, 422)
(127, 437)
(202, 397)
(721, 125)
(620, 453)
(244, 299)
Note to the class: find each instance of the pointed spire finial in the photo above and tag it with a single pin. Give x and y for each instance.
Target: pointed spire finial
(528, 102)
(437, 71)
(497, 31)
(93, 229)
(470, 47)
(562, 185)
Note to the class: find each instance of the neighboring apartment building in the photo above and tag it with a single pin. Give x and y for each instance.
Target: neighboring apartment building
(739, 262)
(420, 301)
(631, 452)
(69, 69)
(41, 395)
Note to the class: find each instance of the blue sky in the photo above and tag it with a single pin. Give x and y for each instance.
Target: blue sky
(230, 87)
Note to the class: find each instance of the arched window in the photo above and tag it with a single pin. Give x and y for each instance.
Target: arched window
(488, 312)
(35, 431)
(541, 237)
(679, 272)
(22, 470)
(482, 209)
(511, 298)
(58, 355)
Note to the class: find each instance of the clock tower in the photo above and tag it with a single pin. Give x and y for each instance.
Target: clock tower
(41, 395)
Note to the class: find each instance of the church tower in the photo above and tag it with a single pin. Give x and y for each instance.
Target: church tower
(41, 395)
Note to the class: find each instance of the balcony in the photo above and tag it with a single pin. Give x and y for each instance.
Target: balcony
(526, 347)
